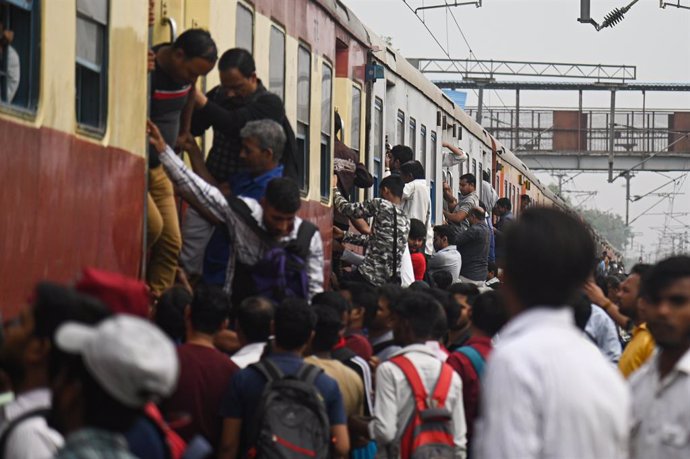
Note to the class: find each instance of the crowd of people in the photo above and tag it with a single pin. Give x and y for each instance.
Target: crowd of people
(488, 337)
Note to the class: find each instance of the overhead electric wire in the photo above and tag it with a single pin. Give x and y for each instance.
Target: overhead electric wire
(469, 47)
(439, 43)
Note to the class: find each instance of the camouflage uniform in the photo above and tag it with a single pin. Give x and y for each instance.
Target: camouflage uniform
(377, 267)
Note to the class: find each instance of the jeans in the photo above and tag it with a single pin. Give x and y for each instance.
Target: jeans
(162, 232)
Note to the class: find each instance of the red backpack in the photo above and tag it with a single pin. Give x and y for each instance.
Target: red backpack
(429, 432)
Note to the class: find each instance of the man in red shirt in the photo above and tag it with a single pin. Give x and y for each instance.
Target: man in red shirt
(205, 372)
(416, 239)
(488, 317)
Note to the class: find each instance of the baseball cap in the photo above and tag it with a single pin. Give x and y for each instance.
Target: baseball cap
(122, 294)
(130, 358)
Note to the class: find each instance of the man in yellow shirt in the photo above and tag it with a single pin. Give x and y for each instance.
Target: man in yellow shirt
(642, 343)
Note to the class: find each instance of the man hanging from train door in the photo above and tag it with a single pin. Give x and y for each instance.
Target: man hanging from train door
(176, 68)
(240, 98)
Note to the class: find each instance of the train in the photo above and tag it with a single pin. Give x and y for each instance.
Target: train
(73, 140)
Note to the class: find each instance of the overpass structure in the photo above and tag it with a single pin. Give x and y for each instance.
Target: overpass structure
(613, 139)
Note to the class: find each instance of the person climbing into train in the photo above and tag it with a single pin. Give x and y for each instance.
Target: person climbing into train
(240, 98)
(266, 235)
(176, 68)
(387, 242)
(263, 143)
(458, 212)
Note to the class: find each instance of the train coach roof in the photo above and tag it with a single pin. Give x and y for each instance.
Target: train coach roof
(347, 19)
(402, 68)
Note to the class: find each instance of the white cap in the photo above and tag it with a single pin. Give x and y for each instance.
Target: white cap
(130, 358)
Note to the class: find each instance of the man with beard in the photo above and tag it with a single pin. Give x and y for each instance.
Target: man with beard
(240, 98)
(25, 356)
(660, 388)
(641, 345)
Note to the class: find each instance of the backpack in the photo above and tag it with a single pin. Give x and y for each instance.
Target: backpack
(475, 358)
(14, 423)
(290, 420)
(429, 432)
(282, 271)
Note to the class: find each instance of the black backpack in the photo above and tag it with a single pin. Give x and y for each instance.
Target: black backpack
(290, 421)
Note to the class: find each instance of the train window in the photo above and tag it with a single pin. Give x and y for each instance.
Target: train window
(422, 146)
(433, 176)
(459, 133)
(92, 64)
(326, 110)
(276, 67)
(19, 53)
(506, 190)
(378, 144)
(356, 118)
(412, 139)
(244, 29)
(480, 179)
(473, 171)
(400, 127)
(302, 134)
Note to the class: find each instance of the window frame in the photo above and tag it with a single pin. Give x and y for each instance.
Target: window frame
(103, 73)
(302, 127)
(326, 134)
(422, 146)
(400, 127)
(271, 87)
(356, 121)
(432, 183)
(379, 150)
(30, 67)
(412, 140)
(244, 7)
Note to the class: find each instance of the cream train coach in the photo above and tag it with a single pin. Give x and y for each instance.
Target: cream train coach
(73, 104)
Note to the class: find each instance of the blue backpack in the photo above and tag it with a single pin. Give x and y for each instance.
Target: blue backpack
(282, 271)
(475, 357)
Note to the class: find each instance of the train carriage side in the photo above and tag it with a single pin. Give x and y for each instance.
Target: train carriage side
(73, 142)
(309, 52)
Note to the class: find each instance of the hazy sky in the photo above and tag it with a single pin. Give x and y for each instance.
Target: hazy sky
(655, 40)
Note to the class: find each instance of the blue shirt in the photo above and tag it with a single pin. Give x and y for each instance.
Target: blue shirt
(218, 247)
(242, 397)
(243, 184)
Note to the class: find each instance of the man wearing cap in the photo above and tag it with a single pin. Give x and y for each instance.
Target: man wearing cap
(24, 356)
(105, 375)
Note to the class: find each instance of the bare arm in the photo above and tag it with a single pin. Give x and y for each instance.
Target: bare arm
(596, 296)
(341, 441)
(361, 225)
(230, 438)
(455, 217)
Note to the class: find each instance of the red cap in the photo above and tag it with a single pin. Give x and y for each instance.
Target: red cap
(121, 294)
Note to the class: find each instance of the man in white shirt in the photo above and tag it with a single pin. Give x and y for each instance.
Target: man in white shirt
(661, 412)
(447, 258)
(13, 66)
(254, 324)
(548, 392)
(416, 199)
(394, 399)
(24, 356)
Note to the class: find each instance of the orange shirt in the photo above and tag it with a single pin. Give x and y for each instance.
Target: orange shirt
(638, 350)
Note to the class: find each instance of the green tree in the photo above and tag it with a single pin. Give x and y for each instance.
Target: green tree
(609, 225)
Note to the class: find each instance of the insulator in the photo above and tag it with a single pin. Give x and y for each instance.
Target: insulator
(613, 18)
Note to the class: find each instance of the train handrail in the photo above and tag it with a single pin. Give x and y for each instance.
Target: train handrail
(173, 27)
